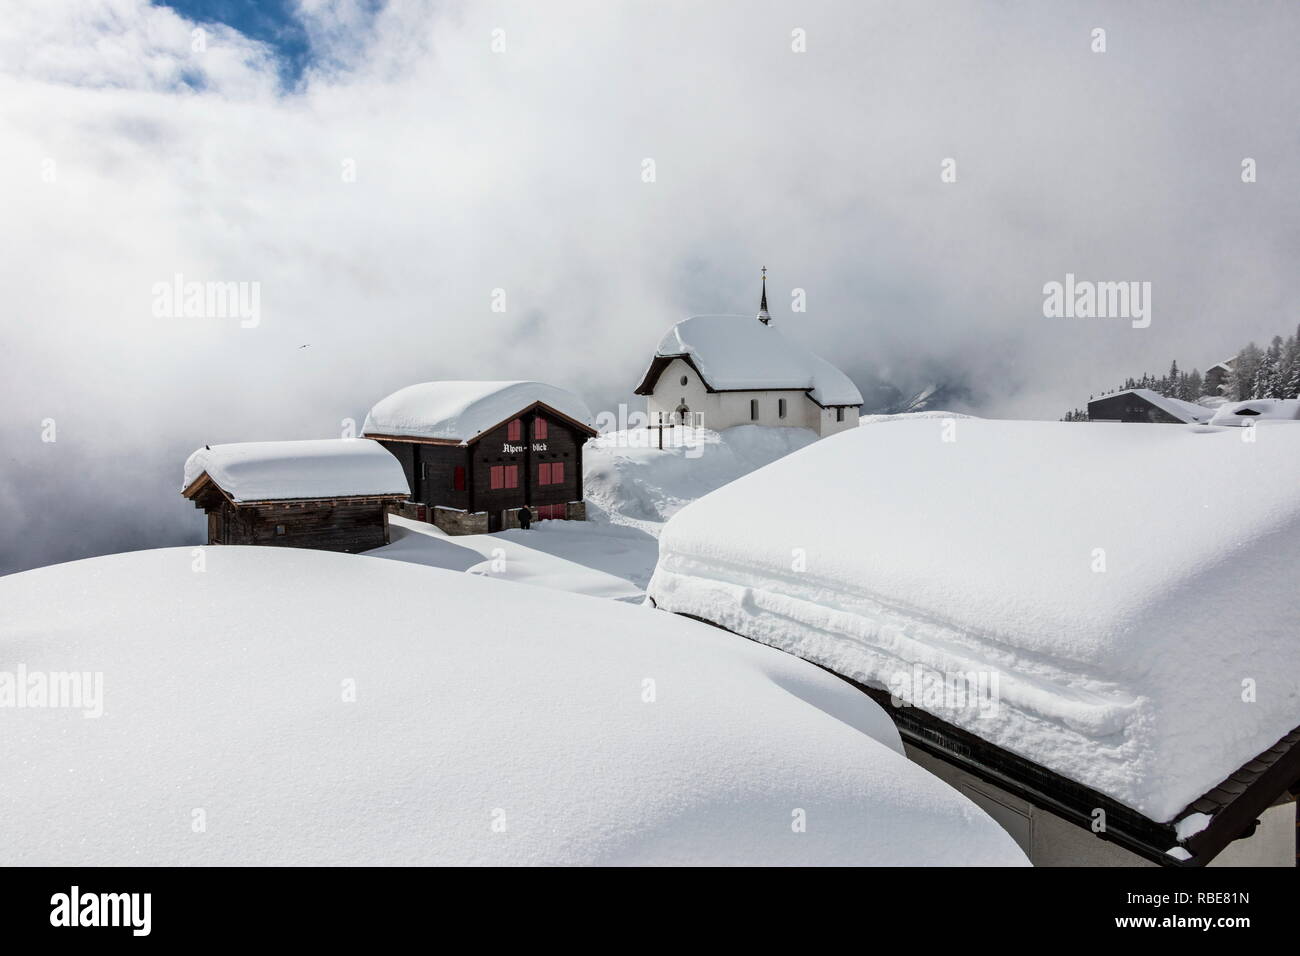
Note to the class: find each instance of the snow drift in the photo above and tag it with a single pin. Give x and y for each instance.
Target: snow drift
(265, 706)
(1132, 587)
(628, 480)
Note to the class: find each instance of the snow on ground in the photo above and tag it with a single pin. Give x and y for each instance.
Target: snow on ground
(283, 706)
(1130, 586)
(323, 468)
(599, 560)
(909, 417)
(629, 481)
(631, 490)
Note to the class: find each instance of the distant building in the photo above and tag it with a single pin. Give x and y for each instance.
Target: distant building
(1144, 405)
(724, 370)
(1218, 377)
(475, 453)
(331, 495)
(1256, 411)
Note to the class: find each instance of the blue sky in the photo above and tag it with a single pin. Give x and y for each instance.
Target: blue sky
(273, 22)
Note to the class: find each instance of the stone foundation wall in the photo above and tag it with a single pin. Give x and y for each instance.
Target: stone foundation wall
(464, 522)
(460, 522)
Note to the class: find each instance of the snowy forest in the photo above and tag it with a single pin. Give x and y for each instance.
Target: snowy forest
(1272, 372)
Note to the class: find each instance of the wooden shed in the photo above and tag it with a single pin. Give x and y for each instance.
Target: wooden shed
(331, 495)
(475, 453)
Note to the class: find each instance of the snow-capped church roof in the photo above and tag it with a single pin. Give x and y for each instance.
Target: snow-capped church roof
(734, 352)
(279, 470)
(459, 411)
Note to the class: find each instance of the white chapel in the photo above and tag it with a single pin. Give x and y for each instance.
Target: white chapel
(724, 370)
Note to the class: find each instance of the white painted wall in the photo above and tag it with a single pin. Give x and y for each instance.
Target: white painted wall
(726, 409)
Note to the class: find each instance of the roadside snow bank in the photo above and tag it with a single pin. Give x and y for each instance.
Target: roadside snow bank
(317, 708)
(1131, 587)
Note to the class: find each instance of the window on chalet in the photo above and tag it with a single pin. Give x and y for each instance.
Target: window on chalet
(550, 473)
(753, 409)
(458, 478)
(839, 413)
(515, 430)
(780, 408)
(539, 427)
(504, 476)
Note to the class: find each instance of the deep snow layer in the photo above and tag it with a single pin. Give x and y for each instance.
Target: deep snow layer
(296, 707)
(1132, 587)
(461, 410)
(628, 480)
(323, 468)
(735, 351)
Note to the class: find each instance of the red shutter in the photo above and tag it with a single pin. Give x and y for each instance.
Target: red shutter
(458, 478)
(544, 473)
(496, 472)
(515, 430)
(512, 476)
(557, 473)
(539, 427)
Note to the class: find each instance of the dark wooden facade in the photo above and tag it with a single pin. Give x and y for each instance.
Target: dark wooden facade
(445, 474)
(350, 525)
(1127, 407)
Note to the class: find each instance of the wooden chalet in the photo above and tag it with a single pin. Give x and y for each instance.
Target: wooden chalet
(331, 495)
(1145, 406)
(476, 453)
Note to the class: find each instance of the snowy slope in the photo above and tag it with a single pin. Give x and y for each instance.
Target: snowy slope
(488, 723)
(628, 481)
(333, 467)
(583, 557)
(460, 410)
(982, 555)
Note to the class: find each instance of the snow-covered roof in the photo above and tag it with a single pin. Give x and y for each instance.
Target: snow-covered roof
(1187, 412)
(461, 410)
(738, 352)
(1257, 410)
(1123, 584)
(322, 468)
(329, 709)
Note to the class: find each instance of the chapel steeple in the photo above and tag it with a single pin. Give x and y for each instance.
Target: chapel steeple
(763, 315)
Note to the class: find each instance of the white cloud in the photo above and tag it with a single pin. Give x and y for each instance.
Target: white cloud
(521, 170)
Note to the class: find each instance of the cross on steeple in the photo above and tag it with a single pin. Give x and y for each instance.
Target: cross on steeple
(763, 315)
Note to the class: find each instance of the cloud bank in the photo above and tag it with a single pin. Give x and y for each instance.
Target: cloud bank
(432, 154)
